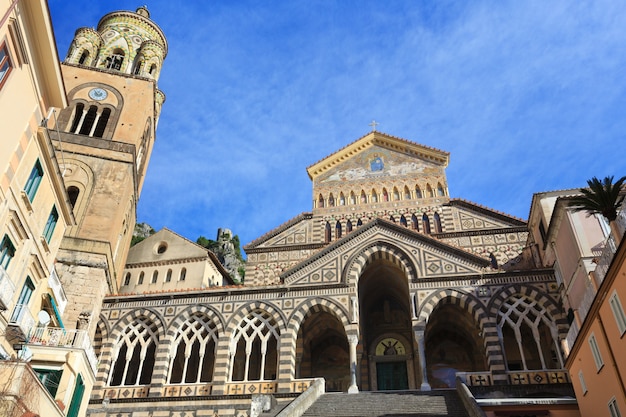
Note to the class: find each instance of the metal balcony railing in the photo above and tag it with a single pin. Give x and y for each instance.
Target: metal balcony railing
(64, 338)
(22, 321)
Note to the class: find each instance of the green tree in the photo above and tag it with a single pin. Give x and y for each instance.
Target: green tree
(602, 197)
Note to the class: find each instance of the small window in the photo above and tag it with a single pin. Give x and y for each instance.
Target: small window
(73, 193)
(183, 274)
(155, 277)
(363, 197)
(418, 192)
(78, 115)
(88, 121)
(168, 276)
(83, 57)
(152, 69)
(396, 194)
(162, 248)
(342, 200)
(374, 196)
(5, 64)
(595, 351)
(140, 280)
(583, 385)
(50, 379)
(102, 123)
(348, 226)
(331, 201)
(320, 201)
(352, 198)
(7, 252)
(127, 279)
(327, 233)
(338, 230)
(613, 408)
(425, 224)
(618, 312)
(407, 193)
(403, 221)
(22, 302)
(385, 195)
(33, 181)
(437, 220)
(440, 192)
(51, 224)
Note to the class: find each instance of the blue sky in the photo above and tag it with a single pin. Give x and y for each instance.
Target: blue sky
(527, 96)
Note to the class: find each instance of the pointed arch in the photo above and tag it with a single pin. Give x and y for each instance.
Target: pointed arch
(429, 191)
(385, 196)
(396, 194)
(437, 221)
(314, 305)
(320, 201)
(338, 230)
(327, 233)
(342, 199)
(359, 223)
(425, 224)
(407, 193)
(331, 200)
(374, 196)
(363, 197)
(440, 190)
(403, 221)
(414, 223)
(392, 219)
(352, 198)
(418, 192)
(348, 226)
(371, 253)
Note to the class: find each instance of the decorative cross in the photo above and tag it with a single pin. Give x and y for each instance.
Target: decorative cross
(374, 124)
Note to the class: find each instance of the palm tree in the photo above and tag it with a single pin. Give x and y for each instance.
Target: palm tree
(602, 197)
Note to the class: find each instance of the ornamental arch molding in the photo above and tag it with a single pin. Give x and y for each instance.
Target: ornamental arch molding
(465, 301)
(541, 297)
(379, 251)
(249, 308)
(317, 305)
(187, 313)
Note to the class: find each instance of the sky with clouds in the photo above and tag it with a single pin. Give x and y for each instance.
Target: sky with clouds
(527, 96)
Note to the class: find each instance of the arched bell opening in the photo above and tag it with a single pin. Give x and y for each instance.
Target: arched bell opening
(386, 334)
(323, 351)
(453, 344)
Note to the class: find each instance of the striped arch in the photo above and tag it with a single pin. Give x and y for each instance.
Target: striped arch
(135, 314)
(466, 301)
(378, 251)
(246, 309)
(534, 293)
(184, 315)
(316, 305)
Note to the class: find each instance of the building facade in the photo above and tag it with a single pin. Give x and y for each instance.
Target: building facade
(386, 284)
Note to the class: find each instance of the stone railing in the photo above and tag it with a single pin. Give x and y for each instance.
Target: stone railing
(7, 289)
(475, 378)
(568, 343)
(64, 338)
(304, 400)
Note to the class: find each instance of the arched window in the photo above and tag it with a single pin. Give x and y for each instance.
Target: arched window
(331, 200)
(88, 121)
(337, 230)
(396, 194)
(115, 60)
(437, 220)
(193, 351)
(425, 224)
(327, 233)
(374, 198)
(391, 219)
(78, 116)
(133, 355)
(140, 280)
(348, 226)
(529, 336)
(254, 348)
(155, 277)
(407, 193)
(72, 193)
(493, 260)
(418, 192)
(363, 197)
(83, 57)
(168, 276)
(342, 200)
(152, 69)
(183, 274)
(127, 279)
(352, 198)
(440, 191)
(102, 123)
(385, 195)
(414, 223)
(138, 66)
(403, 221)
(359, 223)
(320, 201)
(429, 191)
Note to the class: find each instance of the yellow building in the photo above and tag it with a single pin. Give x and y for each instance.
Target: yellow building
(35, 211)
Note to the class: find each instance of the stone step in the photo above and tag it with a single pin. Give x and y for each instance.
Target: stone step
(388, 404)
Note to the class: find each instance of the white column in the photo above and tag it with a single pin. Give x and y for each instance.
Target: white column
(353, 340)
(419, 336)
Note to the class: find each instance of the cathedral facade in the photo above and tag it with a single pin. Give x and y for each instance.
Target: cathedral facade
(386, 284)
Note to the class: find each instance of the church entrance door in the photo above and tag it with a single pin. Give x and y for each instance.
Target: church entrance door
(391, 376)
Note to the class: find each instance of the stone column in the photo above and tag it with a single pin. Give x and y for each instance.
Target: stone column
(353, 340)
(419, 336)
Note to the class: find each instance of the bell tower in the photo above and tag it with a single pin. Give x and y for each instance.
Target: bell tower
(103, 141)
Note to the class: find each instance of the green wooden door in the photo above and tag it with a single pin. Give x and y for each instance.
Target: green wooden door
(391, 376)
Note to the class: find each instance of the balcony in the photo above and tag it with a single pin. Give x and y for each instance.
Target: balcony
(23, 394)
(7, 289)
(22, 321)
(63, 338)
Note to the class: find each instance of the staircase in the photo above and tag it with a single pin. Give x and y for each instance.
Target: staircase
(388, 404)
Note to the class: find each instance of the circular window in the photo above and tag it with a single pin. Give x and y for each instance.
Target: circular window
(161, 248)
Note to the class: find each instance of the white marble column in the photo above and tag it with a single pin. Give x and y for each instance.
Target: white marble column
(419, 336)
(353, 340)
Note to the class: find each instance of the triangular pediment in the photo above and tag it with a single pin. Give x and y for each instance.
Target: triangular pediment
(164, 246)
(472, 217)
(377, 154)
(296, 231)
(426, 257)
